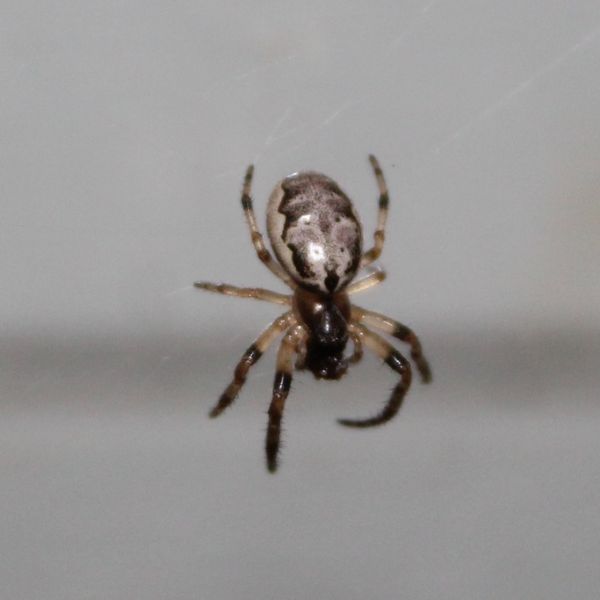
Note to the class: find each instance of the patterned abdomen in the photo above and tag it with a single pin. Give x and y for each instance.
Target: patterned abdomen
(314, 231)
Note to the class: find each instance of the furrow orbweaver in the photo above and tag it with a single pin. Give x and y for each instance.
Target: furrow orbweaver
(317, 239)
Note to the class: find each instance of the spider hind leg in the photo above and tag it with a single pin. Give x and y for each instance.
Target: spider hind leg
(379, 235)
(256, 236)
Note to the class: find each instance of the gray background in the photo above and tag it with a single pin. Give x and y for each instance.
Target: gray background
(125, 130)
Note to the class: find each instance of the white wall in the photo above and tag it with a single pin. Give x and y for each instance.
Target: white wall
(126, 128)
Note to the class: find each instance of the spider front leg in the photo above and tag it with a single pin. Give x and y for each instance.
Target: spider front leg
(257, 239)
(397, 362)
(379, 235)
(281, 388)
(399, 331)
(357, 355)
(250, 357)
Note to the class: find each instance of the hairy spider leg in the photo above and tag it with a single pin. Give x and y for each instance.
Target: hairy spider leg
(256, 236)
(301, 352)
(250, 357)
(281, 388)
(357, 354)
(384, 200)
(375, 277)
(397, 362)
(399, 331)
(232, 290)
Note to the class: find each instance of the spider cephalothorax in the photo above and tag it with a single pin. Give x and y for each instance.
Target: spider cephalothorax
(326, 321)
(317, 238)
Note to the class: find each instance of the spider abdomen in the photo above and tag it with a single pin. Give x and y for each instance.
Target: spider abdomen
(314, 231)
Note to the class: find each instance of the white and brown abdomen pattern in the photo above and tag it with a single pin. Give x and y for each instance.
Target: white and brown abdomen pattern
(314, 231)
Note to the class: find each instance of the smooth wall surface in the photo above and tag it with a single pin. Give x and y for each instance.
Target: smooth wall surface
(125, 130)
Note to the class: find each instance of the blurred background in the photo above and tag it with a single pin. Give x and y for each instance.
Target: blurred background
(125, 132)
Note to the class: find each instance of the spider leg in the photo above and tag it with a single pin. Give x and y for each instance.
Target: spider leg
(375, 277)
(399, 331)
(379, 235)
(250, 357)
(257, 293)
(397, 362)
(281, 388)
(256, 235)
(301, 351)
(357, 355)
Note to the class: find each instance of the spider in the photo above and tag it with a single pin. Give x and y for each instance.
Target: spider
(317, 239)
